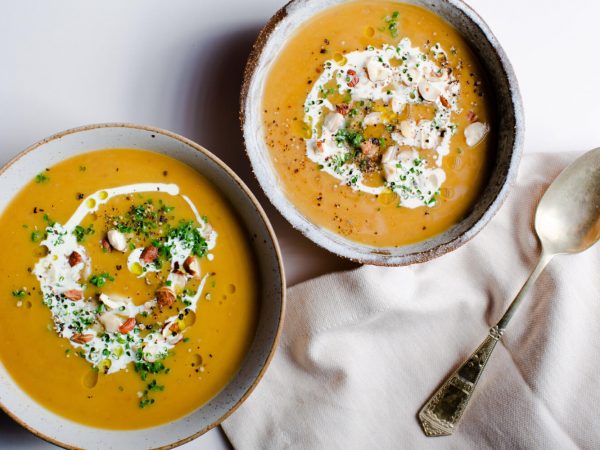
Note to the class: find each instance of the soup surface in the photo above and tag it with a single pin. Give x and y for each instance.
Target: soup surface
(378, 122)
(129, 294)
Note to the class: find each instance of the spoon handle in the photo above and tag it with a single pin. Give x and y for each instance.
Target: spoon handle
(442, 412)
(539, 268)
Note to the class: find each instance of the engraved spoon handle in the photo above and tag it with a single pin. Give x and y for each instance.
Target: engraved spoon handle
(443, 410)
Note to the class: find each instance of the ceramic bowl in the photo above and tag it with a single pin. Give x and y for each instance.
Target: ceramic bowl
(509, 138)
(47, 425)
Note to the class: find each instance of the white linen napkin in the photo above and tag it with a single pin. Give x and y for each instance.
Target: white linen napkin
(363, 350)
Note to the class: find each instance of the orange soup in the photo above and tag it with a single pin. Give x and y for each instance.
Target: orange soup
(378, 122)
(129, 295)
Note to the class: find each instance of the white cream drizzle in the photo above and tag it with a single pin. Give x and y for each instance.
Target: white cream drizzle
(108, 349)
(415, 79)
(92, 202)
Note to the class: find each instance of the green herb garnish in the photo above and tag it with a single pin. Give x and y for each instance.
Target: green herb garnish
(144, 368)
(189, 234)
(19, 293)
(48, 220)
(153, 386)
(41, 178)
(80, 232)
(350, 137)
(100, 279)
(146, 402)
(392, 24)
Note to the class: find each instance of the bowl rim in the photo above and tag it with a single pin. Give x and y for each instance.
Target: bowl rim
(373, 257)
(262, 215)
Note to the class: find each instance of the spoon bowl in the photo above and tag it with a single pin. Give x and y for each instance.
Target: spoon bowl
(567, 219)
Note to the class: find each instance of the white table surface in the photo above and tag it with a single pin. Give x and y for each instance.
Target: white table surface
(177, 65)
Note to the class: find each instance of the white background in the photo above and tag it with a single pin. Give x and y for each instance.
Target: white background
(177, 64)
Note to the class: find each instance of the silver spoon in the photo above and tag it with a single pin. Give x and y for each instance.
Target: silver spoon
(567, 220)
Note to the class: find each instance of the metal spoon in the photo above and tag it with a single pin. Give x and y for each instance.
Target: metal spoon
(567, 220)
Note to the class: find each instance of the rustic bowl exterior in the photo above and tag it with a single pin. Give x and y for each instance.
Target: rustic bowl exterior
(509, 127)
(63, 432)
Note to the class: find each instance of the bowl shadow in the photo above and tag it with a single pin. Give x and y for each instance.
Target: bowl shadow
(210, 99)
(16, 437)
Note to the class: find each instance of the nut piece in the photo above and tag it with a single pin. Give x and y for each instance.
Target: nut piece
(429, 91)
(397, 105)
(114, 301)
(82, 338)
(105, 245)
(152, 352)
(472, 117)
(165, 296)
(149, 254)
(170, 328)
(343, 108)
(377, 71)
(75, 258)
(353, 78)
(408, 128)
(178, 268)
(475, 132)
(436, 178)
(333, 121)
(172, 332)
(388, 161)
(74, 294)
(192, 266)
(110, 321)
(127, 326)
(444, 101)
(373, 118)
(117, 240)
(178, 281)
(369, 148)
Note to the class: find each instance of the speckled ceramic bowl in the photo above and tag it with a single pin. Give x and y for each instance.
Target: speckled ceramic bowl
(47, 425)
(509, 137)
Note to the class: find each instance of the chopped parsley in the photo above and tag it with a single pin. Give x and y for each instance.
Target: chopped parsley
(143, 219)
(350, 137)
(145, 401)
(19, 293)
(48, 220)
(153, 386)
(80, 232)
(144, 368)
(391, 24)
(42, 178)
(189, 234)
(100, 279)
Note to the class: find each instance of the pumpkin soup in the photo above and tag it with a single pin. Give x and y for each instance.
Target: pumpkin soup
(130, 295)
(377, 119)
